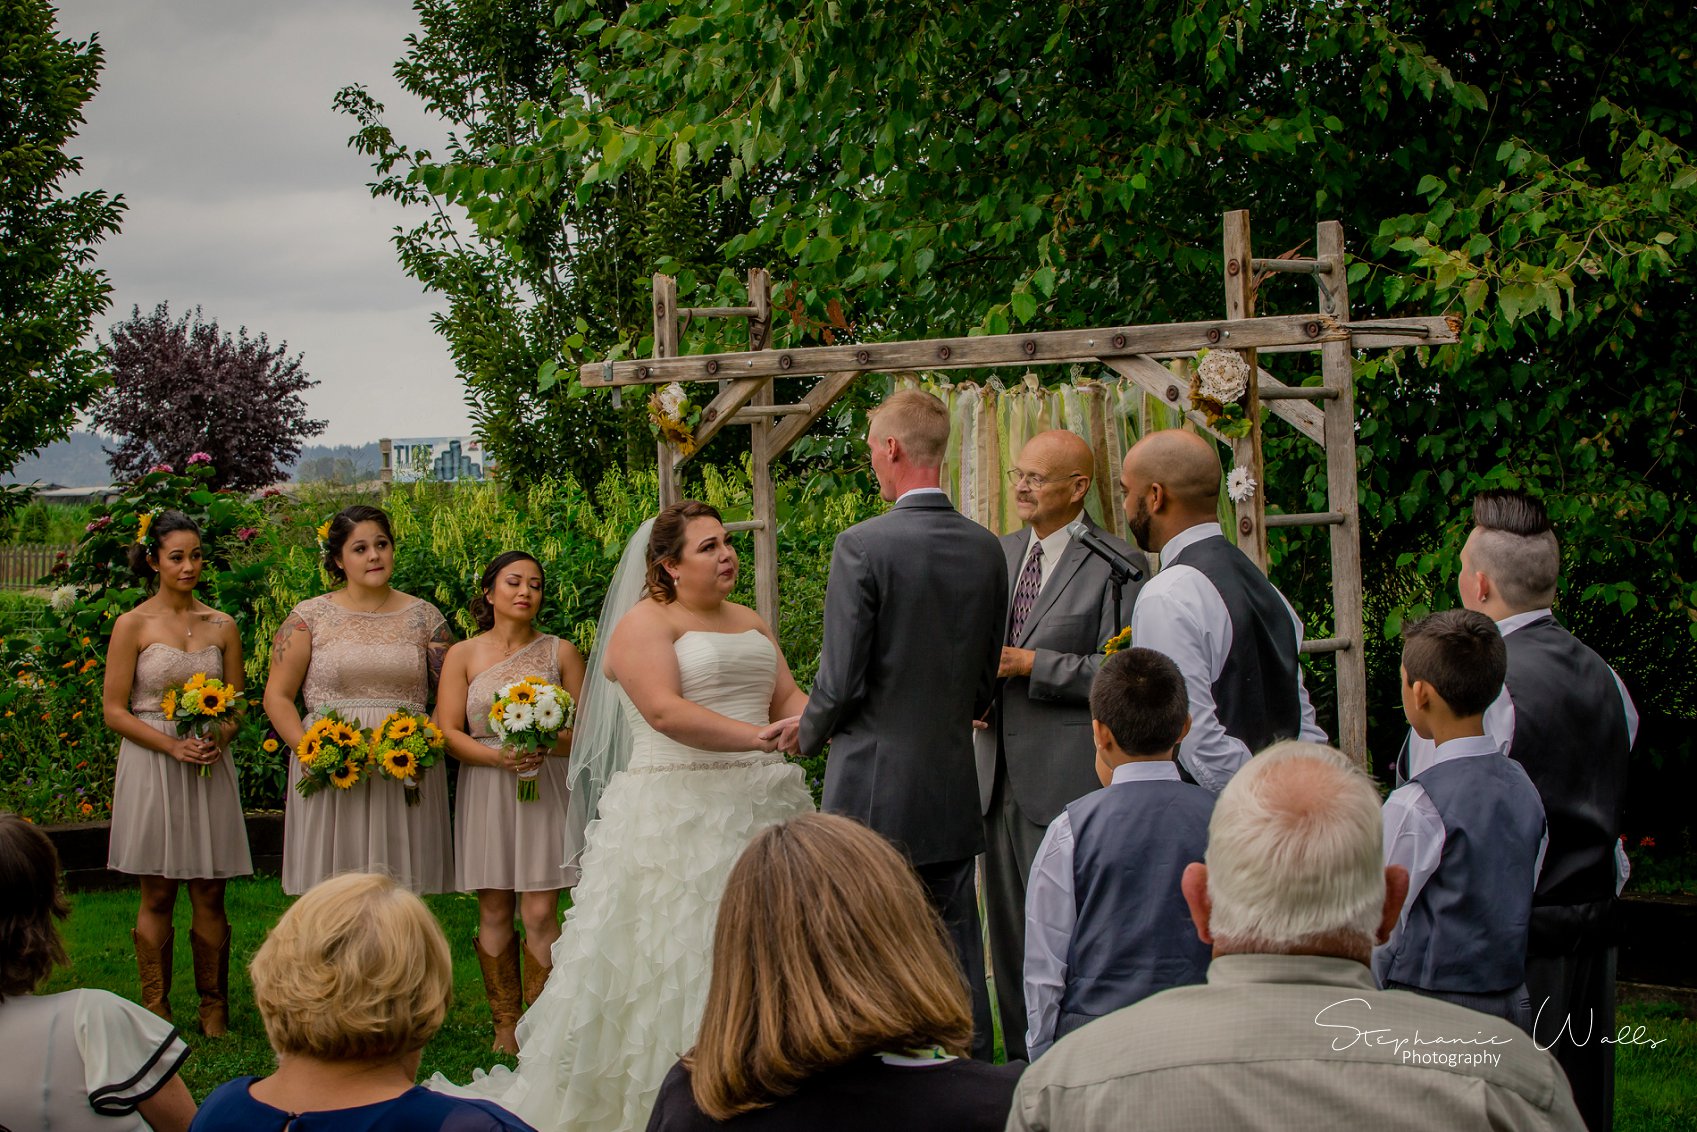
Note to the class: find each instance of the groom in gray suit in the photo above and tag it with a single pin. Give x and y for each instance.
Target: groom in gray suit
(1035, 753)
(913, 629)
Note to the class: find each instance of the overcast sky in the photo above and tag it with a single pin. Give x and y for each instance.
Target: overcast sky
(213, 120)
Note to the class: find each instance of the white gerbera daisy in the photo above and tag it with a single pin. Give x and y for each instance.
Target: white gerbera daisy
(548, 715)
(1223, 375)
(519, 717)
(1240, 485)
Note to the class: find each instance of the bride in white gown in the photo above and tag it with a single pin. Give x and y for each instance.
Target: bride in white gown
(700, 682)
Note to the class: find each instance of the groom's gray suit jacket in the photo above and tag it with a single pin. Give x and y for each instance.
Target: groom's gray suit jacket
(914, 615)
(1040, 733)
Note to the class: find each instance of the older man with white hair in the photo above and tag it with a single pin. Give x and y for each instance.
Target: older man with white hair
(1290, 1031)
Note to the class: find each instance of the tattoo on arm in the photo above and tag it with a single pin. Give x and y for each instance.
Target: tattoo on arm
(286, 635)
(437, 651)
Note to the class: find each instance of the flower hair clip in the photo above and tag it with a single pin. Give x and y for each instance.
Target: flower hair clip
(145, 524)
(323, 533)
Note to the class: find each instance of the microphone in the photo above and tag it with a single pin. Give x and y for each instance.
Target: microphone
(1104, 550)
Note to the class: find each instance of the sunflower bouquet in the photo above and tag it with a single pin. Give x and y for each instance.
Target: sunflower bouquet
(1119, 642)
(199, 705)
(331, 753)
(528, 716)
(404, 746)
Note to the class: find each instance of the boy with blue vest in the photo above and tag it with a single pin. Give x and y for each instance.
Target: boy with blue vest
(1468, 826)
(1106, 924)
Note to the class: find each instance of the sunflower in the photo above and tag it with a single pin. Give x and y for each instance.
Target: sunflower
(522, 693)
(269, 746)
(323, 532)
(198, 680)
(400, 763)
(345, 736)
(213, 701)
(142, 524)
(534, 681)
(168, 705)
(310, 749)
(432, 734)
(345, 775)
(403, 727)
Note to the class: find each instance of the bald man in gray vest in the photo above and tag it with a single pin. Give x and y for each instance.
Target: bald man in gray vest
(1231, 633)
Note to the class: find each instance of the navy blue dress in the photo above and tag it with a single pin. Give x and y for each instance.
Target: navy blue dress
(230, 1108)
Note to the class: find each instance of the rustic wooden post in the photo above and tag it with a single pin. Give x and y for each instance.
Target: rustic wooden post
(1338, 374)
(666, 346)
(1246, 451)
(765, 493)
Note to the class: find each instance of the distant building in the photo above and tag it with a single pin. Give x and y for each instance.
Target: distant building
(443, 458)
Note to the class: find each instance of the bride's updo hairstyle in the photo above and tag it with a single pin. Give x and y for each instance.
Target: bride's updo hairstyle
(666, 544)
(165, 523)
(342, 526)
(482, 615)
(826, 951)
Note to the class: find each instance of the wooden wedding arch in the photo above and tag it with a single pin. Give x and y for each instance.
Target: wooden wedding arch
(1324, 413)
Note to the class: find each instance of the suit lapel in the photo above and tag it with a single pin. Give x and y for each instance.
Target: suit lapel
(1070, 561)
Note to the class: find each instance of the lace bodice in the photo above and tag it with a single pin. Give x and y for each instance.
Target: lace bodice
(368, 656)
(160, 665)
(540, 658)
(730, 673)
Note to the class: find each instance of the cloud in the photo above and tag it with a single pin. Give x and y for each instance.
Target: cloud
(214, 121)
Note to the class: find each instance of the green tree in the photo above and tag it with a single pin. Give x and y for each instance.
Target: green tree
(562, 276)
(49, 293)
(933, 167)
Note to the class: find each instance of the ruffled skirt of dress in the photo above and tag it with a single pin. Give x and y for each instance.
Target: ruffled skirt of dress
(503, 843)
(368, 827)
(168, 821)
(632, 964)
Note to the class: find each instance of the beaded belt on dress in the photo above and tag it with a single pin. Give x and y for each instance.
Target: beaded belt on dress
(350, 705)
(734, 763)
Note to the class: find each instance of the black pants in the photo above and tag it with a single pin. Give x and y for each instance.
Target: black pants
(1578, 989)
(951, 888)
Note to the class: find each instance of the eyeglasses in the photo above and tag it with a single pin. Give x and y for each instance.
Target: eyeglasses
(1019, 477)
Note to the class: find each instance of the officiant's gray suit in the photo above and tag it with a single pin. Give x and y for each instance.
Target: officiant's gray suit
(915, 610)
(1037, 755)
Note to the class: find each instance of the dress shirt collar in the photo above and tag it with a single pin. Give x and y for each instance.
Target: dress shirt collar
(1164, 771)
(920, 491)
(1520, 620)
(1467, 746)
(1322, 970)
(1187, 537)
(1054, 545)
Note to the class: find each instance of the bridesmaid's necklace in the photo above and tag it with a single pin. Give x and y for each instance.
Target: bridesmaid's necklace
(508, 650)
(380, 604)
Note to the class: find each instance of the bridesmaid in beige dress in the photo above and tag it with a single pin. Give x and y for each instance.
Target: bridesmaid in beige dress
(169, 823)
(509, 852)
(364, 651)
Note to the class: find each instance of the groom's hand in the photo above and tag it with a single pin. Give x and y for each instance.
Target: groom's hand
(784, 735)
(1016, 662)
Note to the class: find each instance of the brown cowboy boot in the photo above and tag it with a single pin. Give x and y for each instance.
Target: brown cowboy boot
(212, 980)
(536, 972)
(501, 984)
(153, 964)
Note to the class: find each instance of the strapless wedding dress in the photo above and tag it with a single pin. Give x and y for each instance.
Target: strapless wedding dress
(632, 963)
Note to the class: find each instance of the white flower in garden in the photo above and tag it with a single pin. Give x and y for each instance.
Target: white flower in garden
(1223, 375)
(63, 599)
(549, 716)
(519, 717)
(672, 400)
(1240, 485)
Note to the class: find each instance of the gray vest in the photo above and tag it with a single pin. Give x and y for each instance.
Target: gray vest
(1134, 935)
(1255, 696)
(1570, 735)
(1467, 929)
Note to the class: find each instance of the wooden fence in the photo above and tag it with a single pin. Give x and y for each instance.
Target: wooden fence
(23, 567)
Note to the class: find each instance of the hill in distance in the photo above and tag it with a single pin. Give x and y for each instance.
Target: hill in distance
(80, 461)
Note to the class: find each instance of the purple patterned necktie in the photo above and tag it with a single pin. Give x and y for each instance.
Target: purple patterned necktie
(1025, 596)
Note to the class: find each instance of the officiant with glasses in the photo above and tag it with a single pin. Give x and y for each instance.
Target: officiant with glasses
(1034, 750)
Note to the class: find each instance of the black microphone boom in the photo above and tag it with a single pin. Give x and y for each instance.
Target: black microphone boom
(1104, 550)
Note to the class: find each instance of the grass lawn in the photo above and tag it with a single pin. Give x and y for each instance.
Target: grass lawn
(1655, 1087)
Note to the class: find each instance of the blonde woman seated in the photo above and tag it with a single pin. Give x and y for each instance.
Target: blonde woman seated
(836, 1001)
(351, 984)
(81, 1060)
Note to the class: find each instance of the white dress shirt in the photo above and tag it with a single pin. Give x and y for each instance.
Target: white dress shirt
(1051, 910)
(1179, 612)
(1414, 832)
(1499, 727)
(919, 491)
(1053, 547)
